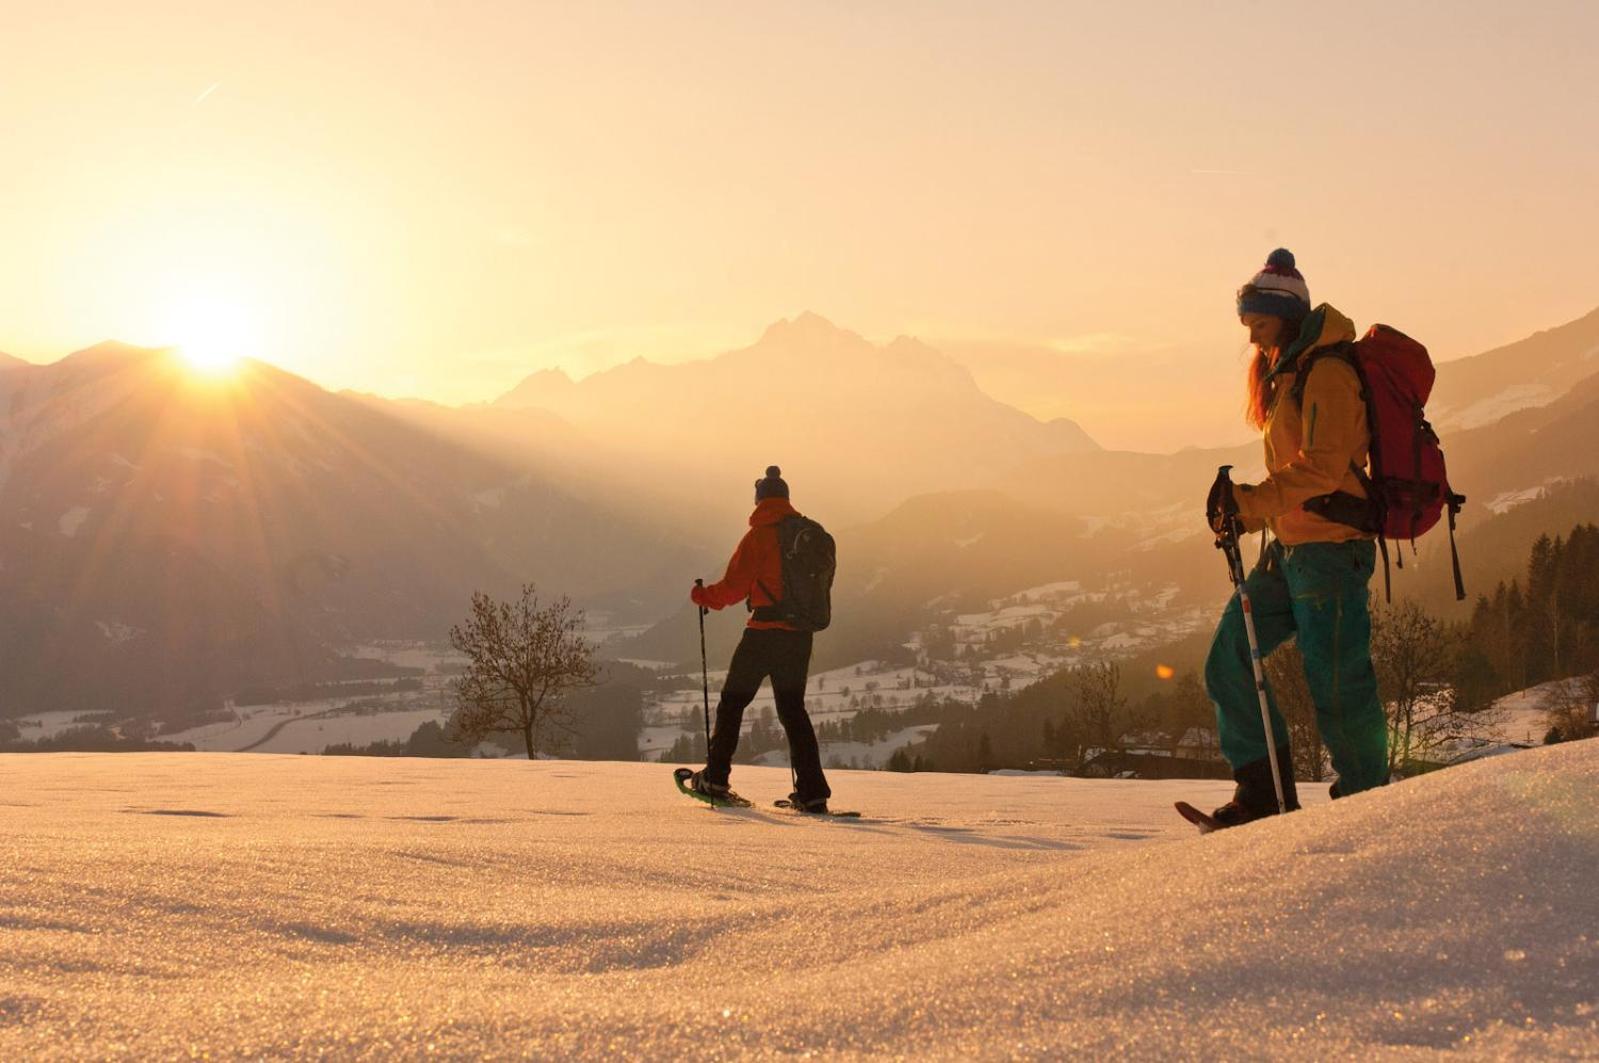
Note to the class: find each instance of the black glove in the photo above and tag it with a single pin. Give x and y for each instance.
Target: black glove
(1221, 508)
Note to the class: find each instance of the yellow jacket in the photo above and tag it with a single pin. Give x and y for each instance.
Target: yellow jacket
(1312, 446)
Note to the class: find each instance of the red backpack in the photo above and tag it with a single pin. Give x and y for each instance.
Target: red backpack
(1407, 489)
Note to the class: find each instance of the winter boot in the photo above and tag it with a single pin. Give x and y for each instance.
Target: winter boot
(817, 806)
(1255, 797)
(701, 785)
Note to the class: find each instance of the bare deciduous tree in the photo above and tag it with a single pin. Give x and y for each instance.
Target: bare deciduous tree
(1572, 707)
(1099, 703)
(1413, 653)
(522, 659)
(1192, 713)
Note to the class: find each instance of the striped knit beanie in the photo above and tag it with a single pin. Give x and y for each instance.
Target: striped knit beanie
(1279, 289)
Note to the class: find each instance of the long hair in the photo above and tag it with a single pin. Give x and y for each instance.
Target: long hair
(1257, 407)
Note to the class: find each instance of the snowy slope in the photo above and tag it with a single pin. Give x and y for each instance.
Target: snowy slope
(161, 905)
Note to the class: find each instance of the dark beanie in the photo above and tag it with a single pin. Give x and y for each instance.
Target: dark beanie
(1279, 289)
(773, 486)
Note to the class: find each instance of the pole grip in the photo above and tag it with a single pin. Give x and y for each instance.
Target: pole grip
(1227, 537)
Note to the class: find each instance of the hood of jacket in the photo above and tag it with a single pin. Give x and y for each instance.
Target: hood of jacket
(1322, 327)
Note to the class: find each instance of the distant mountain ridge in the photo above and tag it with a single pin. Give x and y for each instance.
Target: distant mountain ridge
(163, 537)
(1134, 512)
(543, 389)
(168, 538)
(1479, 390)
(868, 424)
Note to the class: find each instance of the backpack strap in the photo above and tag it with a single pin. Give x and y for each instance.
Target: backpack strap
(768, 612)
(775, 611)
(1362, 514)
(1343, 351)
(1387, 584)
(1454, 502)
(1376, 506)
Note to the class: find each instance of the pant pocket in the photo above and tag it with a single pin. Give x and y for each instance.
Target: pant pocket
(1315, 575)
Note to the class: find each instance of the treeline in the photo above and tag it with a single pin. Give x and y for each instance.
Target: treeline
(429, 740)
(874, 725)
(1522, 636)
(1064, 722)
(91, 738)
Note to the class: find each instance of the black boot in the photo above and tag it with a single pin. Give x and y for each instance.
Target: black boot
(814, 805)
(1255, 796)
(701, 785)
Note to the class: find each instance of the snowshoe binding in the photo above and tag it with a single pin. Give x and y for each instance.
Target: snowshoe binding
(1232, 814)
(694, 784)
(816, 806)
(1255, 796)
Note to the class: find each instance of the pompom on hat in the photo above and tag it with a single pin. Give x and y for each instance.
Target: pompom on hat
(1279, 289)
(773, 486)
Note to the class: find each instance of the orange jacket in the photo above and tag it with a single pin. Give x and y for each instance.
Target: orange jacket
(755, 571)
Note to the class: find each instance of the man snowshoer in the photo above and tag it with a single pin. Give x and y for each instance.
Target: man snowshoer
(1311, 583)
(770, 648)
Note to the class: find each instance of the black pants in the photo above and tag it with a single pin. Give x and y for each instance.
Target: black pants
(785, 656)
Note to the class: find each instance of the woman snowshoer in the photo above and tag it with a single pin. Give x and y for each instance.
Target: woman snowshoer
(770, 647)
(1311, 583)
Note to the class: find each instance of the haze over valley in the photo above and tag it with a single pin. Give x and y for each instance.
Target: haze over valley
(185, 540)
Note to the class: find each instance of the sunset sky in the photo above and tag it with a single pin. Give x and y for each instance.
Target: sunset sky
(436, 198)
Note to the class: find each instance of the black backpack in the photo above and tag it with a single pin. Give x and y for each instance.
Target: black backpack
(809, 562)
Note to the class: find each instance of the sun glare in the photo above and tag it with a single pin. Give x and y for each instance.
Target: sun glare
(211, 334)
(208, 360)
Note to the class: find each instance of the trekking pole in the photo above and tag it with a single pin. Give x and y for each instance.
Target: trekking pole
(705, 676)
(1227, 543)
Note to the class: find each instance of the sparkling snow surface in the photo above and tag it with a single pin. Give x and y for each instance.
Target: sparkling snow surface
(158, 905)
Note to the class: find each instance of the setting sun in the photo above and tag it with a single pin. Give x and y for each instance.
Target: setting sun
(211, 333)
(209, 360)
(1012, 404)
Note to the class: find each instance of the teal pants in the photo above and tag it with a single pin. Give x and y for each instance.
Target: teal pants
(1317, 593)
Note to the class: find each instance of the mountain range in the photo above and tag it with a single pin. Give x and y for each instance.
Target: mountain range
(169, 539)
(1477, 391)
(857, 426)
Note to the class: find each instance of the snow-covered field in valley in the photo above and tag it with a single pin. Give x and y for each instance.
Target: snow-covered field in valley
(163, 905)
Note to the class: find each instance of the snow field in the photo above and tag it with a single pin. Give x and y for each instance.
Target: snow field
(313, 736)
(49, 724)
(157, 905)
(1524, 716)
(309, 726)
